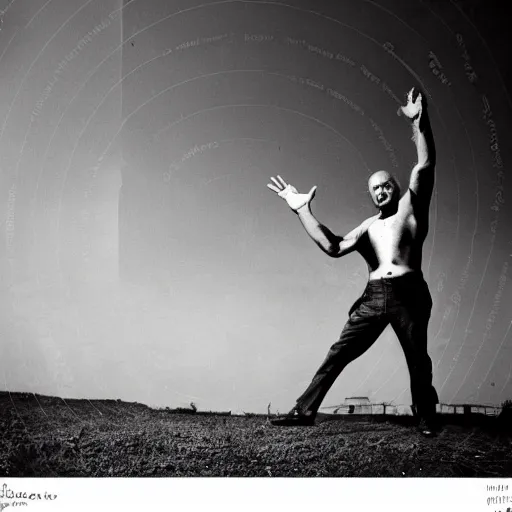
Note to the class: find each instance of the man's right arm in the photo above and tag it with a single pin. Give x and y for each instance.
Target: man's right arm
(333, 245)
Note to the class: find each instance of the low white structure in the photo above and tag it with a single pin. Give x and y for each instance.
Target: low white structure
(358, 405)
(401, 410)
(362, 405)
(488, 410)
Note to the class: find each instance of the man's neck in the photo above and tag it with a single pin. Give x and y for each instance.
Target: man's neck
(388, 212)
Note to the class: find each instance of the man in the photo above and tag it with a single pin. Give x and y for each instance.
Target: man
(391, 243)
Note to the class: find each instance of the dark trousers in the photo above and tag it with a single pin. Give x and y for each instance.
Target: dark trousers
(406, 304)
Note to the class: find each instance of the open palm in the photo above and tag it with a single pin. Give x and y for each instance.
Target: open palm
(289, 193)
(415, 104)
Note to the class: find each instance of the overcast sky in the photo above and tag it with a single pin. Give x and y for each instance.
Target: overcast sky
(137, 141)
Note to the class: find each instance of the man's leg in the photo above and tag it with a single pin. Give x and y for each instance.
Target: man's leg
(410, 323)
(364, 326)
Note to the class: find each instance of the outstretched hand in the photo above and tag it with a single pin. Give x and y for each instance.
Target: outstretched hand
(289, 193)
(415, 105)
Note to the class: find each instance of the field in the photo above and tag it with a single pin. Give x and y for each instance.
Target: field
(49, 437)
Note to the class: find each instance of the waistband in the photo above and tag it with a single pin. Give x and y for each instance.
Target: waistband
(410, 277)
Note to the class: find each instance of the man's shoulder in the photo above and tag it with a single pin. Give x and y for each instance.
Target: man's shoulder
(368, 222)
(362, 229)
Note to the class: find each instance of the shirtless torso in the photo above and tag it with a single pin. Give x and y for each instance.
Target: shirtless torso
(393, 246)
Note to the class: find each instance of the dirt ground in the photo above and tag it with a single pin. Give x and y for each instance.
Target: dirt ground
(50, 437)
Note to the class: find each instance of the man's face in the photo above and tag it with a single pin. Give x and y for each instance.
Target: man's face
(383, 189)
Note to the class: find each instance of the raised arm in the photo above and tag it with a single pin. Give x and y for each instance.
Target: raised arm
(333, 245)
(422, 175)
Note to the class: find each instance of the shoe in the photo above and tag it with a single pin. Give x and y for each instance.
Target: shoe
(427, 429)
(294, 419)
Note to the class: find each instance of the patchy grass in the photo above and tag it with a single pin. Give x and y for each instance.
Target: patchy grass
(46, 436)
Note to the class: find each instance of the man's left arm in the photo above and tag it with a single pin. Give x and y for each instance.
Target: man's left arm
(423, 173)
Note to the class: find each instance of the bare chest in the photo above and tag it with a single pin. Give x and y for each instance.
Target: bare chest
(392, 231)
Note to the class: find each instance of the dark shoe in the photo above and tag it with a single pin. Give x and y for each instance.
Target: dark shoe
(427, 428)
(294, 419)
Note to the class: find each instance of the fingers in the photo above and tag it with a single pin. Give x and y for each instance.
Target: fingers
(422, 102)
(279, 186)
(416, 96)
(413, 95)
(282, 181)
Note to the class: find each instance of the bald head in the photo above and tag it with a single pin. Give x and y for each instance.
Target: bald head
(380, 176)
(383, 188)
